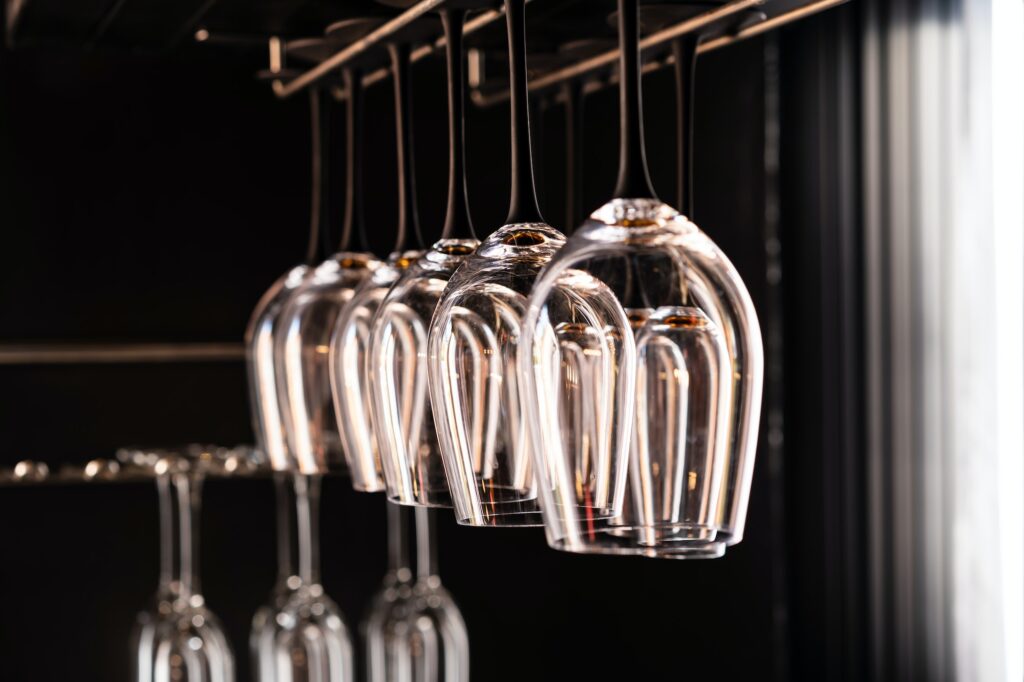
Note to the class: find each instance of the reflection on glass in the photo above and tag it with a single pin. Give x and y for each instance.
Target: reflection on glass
(414, 631)
(259, 346)
(676, 454)
(301, 359)
(474, 388)
(350, 381)
(576, 377)
(402, 418)
(300, 635)
(179, 638)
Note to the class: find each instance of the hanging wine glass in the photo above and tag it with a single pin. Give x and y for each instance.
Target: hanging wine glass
(402, 421)
(414, 630)
(300, 635)
(695, 367)
(474, 333)
(179, 638)
(741, 330)
(259, 335)
(350, 343)
(301, 350)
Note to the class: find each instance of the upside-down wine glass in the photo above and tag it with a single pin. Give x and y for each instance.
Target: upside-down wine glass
(414, 630)
(742, 337)
(267, 418)
(302, 348)
(411, 462)
(474, 389)
(675, 409)
(350, 344)
(179, 638)
(300, 636)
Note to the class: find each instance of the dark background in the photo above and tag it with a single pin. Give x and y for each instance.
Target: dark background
(154, 197)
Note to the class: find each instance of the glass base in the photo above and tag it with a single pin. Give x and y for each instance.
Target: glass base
(654, 542)
(500, 505)
(435, 502)
(513, 519)
(368, 489)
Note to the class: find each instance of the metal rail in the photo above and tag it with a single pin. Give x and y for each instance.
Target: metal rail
(119, 353)
(376, 37)
(485, 100)
(605, 60)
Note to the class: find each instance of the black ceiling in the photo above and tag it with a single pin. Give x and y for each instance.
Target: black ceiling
(159, 25)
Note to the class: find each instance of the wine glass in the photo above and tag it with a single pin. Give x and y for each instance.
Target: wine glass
(401, 413)
(301, 634)
(259, 335)
(414, 630)
(350, 343)
(475, 331)
(695, 368)
(738, 321)
(178, 637)
(302, 348)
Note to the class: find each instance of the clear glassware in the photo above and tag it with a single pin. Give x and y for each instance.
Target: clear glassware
(473, 335)
(677, 458)
(350, 374)
(699, 344)
(268, 424)
(301, 358)
(350, 342)
(308, 321)
(679, 404)
(179, 638)
(414, 630)
(474, 388)
(300, 636)
(402, 419)
(259, 348)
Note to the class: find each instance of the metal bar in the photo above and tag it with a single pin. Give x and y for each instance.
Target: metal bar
(338, 59)
(192, 22)
(120, 353)
(377, 37)
(569, 73)
(423, 51)
(661, 37)
(105, 22)
(770, 24)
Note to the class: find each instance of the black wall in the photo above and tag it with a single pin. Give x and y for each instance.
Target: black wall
(153, 199)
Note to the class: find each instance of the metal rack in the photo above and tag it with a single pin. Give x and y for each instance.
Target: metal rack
(722, 25)
(140, 464)
(730, 22)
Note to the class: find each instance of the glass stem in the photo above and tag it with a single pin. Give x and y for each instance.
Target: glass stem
(523, 206)
(408, 216)
(298, 507)
(572, 91)
(179, 533)
(426, 543)
(457, 224)
(401, 545)
(684, 51)
(634, 179)
(316, 158)
(354, 226)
